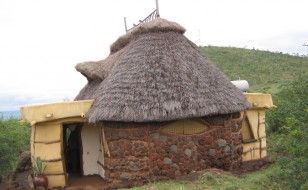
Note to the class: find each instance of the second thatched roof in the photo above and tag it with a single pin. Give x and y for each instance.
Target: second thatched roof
(154, 73)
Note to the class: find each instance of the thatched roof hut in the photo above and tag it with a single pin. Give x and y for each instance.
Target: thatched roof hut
(154, 73)
(161, 110)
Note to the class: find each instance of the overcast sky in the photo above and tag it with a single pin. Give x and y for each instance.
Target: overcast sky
(41, 41)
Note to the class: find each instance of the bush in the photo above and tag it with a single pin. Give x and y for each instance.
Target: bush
(14, 138)
(292, 103)
(288, 135)
(290, 148)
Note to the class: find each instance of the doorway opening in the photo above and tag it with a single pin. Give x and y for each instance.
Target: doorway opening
(72, 147)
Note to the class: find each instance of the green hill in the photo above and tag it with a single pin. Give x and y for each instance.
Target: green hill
(265, 71)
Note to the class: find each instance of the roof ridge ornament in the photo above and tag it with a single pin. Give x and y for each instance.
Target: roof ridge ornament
(152, 16)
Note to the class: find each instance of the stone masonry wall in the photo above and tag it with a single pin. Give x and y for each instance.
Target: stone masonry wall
(219, 147)
(129, 151)
(142, 152)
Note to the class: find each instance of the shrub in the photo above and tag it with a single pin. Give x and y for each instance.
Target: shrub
(14, 138)
(288, 135)
(292, 103)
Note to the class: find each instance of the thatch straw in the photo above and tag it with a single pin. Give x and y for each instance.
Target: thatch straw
(156, 25)
(100, 69)
(158, 76)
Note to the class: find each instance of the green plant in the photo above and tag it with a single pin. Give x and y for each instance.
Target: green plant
(288, 135)
(14, 138)
(38, 166)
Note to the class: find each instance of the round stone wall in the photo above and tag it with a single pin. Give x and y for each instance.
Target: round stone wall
(142, 152)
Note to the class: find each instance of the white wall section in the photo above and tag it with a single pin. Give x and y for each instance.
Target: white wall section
(101, 170)
(90, 136)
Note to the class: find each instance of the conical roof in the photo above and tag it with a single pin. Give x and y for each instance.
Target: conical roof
(154, 73)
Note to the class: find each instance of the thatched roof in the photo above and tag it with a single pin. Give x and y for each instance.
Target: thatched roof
(154, 73)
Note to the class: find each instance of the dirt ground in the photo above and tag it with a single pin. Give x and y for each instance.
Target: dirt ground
(95, 182)
(75, 183)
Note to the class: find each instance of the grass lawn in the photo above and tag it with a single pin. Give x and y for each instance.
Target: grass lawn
(214, 179)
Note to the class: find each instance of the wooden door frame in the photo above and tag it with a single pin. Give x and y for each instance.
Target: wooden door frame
(78, 128)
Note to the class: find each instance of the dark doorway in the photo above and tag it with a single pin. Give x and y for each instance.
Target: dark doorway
(72, 148)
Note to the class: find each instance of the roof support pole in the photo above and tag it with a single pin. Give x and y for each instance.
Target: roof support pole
(125, 24)
(157, 8)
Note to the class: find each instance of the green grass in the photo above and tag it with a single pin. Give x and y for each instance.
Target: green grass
(265, 71)
(171, 185)
(260, 180)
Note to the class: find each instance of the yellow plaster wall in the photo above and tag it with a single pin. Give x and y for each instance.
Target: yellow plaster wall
(246, 129)
(48, 132)
(48, 151)
(54, 167)
(56, 181)
(251, 151)
(255, 116)
(48, 112)
(259, 100)
(32, 140)
(185, 127)
(256, 119)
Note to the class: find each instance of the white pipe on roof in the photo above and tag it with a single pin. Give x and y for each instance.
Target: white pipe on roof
(243, 85)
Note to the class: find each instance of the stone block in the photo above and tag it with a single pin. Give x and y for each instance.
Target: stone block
(188, 152)
(125, 176)
(221, 142)
(163, 138)
(167, 160)
(212, 152)
(227, 149)
(173, 148)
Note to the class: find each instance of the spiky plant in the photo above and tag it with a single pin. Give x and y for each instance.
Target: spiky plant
(39, 166)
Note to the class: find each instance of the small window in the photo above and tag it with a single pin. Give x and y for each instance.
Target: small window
(185, 127)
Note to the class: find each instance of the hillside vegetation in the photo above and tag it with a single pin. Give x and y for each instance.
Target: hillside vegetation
(265, 71)
(14, 138)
